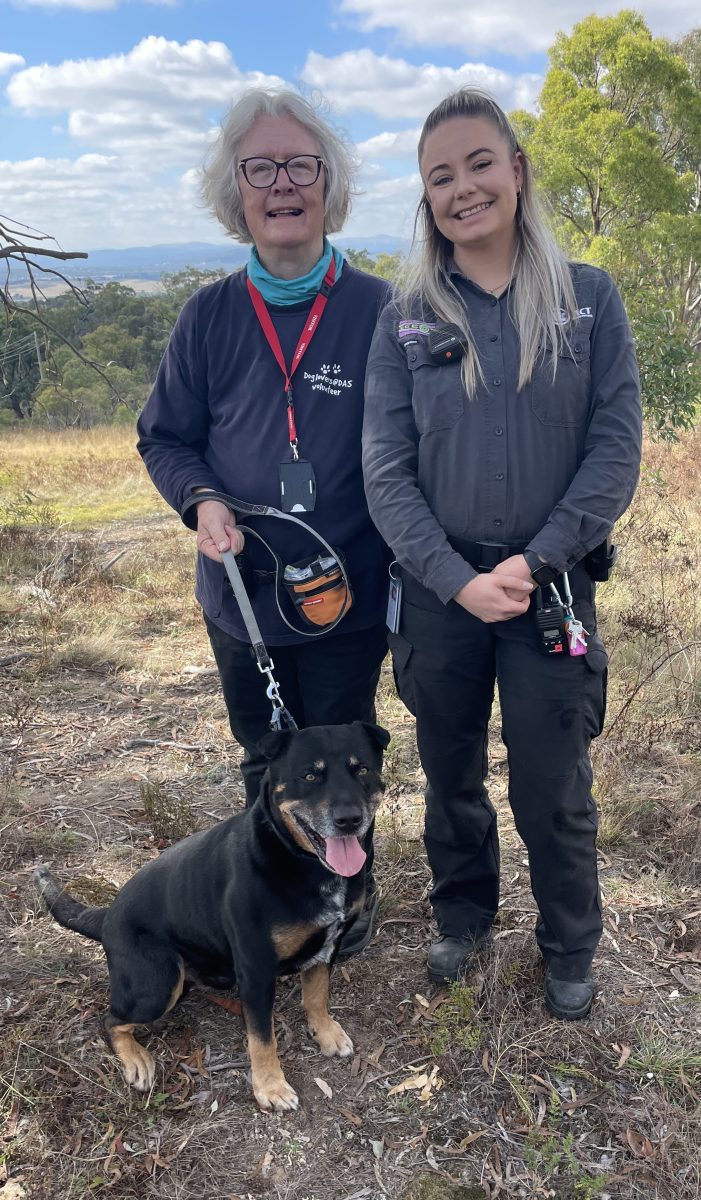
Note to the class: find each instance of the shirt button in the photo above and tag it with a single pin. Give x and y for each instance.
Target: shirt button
(498, 430)
(494, 337)
(496, 381)
(412, 358)
(494, 301)
(498, 522)
(500, 475)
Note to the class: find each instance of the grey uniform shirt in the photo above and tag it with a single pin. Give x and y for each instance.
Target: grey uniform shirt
(551, 466)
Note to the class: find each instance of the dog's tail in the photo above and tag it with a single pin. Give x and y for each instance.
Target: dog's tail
(66, 910)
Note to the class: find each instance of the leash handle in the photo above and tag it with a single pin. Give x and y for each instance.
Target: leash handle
(249, 619)
(266, 510)
(281, 717)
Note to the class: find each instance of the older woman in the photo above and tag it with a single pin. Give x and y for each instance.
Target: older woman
(252, 395)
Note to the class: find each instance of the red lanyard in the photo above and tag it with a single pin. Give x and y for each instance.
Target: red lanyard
(305, 338)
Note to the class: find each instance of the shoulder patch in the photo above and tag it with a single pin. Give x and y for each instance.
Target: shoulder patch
(413, 329)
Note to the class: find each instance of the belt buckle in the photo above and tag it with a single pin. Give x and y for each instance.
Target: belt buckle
(491, 554)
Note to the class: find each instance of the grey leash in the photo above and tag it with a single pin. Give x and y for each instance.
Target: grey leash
(281, 717)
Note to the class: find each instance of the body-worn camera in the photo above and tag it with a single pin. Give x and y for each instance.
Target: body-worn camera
(446, 344)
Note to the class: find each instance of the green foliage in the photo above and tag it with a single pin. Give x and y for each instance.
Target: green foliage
(121, 333)
(617, 151)
(455, 1023)
(553, 1158)
(170, 817)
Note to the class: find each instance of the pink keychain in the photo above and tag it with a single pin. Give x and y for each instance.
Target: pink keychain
(576, 636)
(575, 631)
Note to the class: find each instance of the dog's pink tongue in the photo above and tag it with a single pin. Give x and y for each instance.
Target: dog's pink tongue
(345, 855)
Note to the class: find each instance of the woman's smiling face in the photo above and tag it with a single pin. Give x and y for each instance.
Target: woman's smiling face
(282, 217)
(472, 181)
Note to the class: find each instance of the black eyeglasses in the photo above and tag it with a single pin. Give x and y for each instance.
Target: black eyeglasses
(302, 170)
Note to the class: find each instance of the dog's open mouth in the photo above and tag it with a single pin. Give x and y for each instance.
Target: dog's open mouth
(344, 855)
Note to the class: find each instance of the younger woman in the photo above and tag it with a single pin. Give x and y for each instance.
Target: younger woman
(498, 453)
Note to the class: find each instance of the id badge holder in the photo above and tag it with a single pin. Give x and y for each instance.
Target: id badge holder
(394, 601)
(297, 486)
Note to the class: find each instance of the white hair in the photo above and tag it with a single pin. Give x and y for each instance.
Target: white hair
(220, 178)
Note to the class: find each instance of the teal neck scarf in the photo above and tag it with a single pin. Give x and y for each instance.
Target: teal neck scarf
(293, 291)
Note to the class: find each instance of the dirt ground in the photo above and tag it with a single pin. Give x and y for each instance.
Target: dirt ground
(475, 1087)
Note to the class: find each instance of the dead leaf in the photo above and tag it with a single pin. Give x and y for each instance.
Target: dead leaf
(232, 1006)
(625, 1052)
(641, 1146)
(351, 1116)
(412, 1084)
(485, 1062)
(323, 1087)
(13, 1190)
(471, 1137)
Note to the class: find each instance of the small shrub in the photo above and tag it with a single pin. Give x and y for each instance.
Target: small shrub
(170, 817)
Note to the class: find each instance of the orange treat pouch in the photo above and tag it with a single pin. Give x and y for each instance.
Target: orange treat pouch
(318, 589)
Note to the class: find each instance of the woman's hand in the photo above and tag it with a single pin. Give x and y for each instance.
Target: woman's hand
(216, 530)
(495, 596)
(516, 565)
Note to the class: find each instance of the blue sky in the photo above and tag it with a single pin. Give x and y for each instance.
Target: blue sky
(107, 107)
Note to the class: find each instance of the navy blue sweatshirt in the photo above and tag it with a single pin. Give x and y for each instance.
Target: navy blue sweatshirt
(217, 418)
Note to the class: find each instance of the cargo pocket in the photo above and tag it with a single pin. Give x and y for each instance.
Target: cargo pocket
(596, 661)
(401, 651)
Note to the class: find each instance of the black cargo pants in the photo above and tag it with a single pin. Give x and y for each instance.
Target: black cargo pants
(446, 664)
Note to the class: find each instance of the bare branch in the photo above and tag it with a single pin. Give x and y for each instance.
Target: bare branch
(21, 245)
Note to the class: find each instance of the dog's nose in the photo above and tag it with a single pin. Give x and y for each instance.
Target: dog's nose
(348, 822)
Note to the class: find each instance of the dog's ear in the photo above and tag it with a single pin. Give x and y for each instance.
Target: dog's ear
(274, 743)
(376, 733)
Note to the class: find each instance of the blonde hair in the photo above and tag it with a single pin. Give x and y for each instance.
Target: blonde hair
(219, 183)
(543, 295)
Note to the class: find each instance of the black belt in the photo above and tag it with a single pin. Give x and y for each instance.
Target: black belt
(485, 556)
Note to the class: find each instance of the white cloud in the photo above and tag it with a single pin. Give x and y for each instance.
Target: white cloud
(509, 26)
(391, 145)
(8, 62)
(393, 87)
(158, 73)
(149, 114)
(387, 206)
(151, 105)
(97, 200)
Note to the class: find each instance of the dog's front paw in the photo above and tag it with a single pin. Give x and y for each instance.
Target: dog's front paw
(275, 1094)
(139, 1068)
(333, 1039)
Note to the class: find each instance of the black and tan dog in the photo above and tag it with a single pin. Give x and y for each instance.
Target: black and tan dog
(268, 892)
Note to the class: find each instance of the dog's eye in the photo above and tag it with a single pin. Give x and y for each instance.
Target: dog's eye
(362, 771)
(310, 777)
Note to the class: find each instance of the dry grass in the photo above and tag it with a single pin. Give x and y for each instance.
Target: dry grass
(87, 477)
(114, 739)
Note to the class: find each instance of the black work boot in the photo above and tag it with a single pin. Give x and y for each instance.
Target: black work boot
(569, 999)
(451, 957)
(360, 932)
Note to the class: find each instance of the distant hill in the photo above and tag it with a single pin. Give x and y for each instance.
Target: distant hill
(151, 262)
